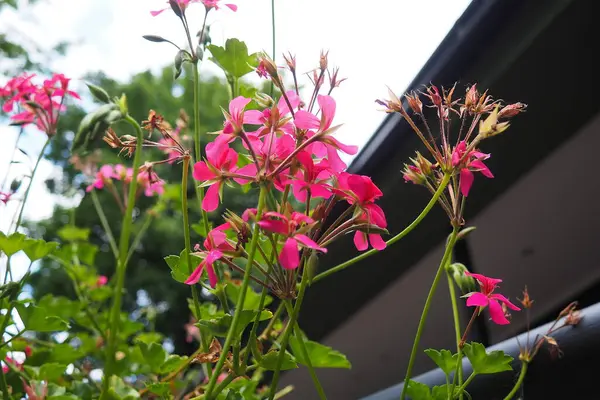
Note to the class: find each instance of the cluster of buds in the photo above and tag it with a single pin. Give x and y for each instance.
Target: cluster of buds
(569, 316)
(456, 154)
(40, 105)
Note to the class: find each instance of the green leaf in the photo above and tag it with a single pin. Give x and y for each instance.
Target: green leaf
(71, 233)
(59, 306)
(38, 249)
(51, 372)
(159, 388)
(219, 326)
(252, 299)
(86, 252)
(120, 391)
(321, 356)
(154, 354)
(443, 359)
(441, 392)
(233, 58)
(64, 353)
(37, 319)
(12, 244)
(269, 361)
(418, 391)
(172, 363)
(82, 390)
(64, 397)
(148, 337)
(487, 363)
(179, 268)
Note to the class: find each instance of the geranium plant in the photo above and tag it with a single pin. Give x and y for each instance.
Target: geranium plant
(283, 147)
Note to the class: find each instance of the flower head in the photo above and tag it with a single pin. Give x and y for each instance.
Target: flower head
(469, 162)
(487, 297)
(214, 245)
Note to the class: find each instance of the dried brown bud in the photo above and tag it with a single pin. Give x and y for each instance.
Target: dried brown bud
(155, 121)
(573, 318)
(471, 98)
(393, 104)
(434, 95)
(526, 300)
(214, 352)
(554, 349)
(414, 102)
(333, 78)
(290, 60)
(511, 110)
(323, 60)
(111, 138)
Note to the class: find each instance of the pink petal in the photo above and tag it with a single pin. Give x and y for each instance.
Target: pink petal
(237, 105)
(348, 149)
(319, 190)
(211, 198)
(376, 241)
(481, 167)
(202, 172)
(305, 120)
(458, 153)
(477, 299)
(253, 117)
(335, 162)
(289, 256)
(299, 188)
(466, 181)
(360, 241)
(249, 169)
(497, 313)
(212, 277)
(376, 215)
(327, 104)
(308, 242)
(274, 225)
(195, 276)
(282, 104)
(155, 13)
(233, 7)
(503, 299)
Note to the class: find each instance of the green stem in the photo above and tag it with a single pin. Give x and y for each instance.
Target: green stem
(186, 229)
(519, 383)
(462, 388)
(105, 225)
(240, 303)
(288, 330)
(457, 331)
(273, 38)
(115, 311)
(305, 355)
(393, 240)
(436, 280)
(139, 236)
(37, 163)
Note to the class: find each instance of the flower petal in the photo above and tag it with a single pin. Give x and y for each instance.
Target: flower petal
(327, 104)
(497, 313)
(289, 256)
(195, 276)
(477, 299)
(466, 181)
(211, 199)
(305, 120)
(274, 225)
(308, 242)
(376, 241)
(503, 299)
(360, 241)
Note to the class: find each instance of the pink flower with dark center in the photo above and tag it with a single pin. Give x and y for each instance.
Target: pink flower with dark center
(105, 175)
(214, 245)
(359, 190)
(289, 227)
(469, 163)
(312, 179)
(487, 297)
(325, 144)
(221, 159)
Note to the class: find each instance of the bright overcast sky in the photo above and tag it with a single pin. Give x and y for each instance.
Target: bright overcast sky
(375, 43)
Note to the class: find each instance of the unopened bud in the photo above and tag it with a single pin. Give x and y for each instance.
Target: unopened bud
(291, 62)
(471, 98)
(434, 95)
(511, 110)
(490, 126)
(414, 102)
(323, 60)
(526, 300)
(462, 280)
(264, 100)
(423, 164)
(266, 66)
(413, 174)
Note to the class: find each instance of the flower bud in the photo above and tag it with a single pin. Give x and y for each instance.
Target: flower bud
(434, 95)
(413, 174)
(490, 126)
(471, 98)
(266, 66)
(291, 62)
(511, 110)
(323, 60)
(414, 102)
(423, 164)
(264, 100)
(462, 280)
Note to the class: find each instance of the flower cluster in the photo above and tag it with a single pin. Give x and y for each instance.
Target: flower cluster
(487, 298)
(36, 104)
(454, 154)
(182, 5)
(288, 147)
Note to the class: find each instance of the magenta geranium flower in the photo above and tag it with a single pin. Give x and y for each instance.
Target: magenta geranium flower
(471, 162)
(325, 145)
(215, 4)
(103, 176)
(288, 227)
(487, 297)
(220, 160)
(312, 179)
(359, 190)
(214, 245)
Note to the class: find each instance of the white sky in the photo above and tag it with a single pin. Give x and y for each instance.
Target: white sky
(375, 43)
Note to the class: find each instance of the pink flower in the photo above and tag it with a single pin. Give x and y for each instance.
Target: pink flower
(215, 4)
(151, 183)
(311, 179)
(122, 173)
(183, 4)
(276, 121)
(221, 159)
(5, 197)
(214, 244)
(289, 227)
(471, 162)
(170, 146)
(326, 144)
(102, 177)
(102, 280)
(359, 190)
(270, 152)
(487, 297)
